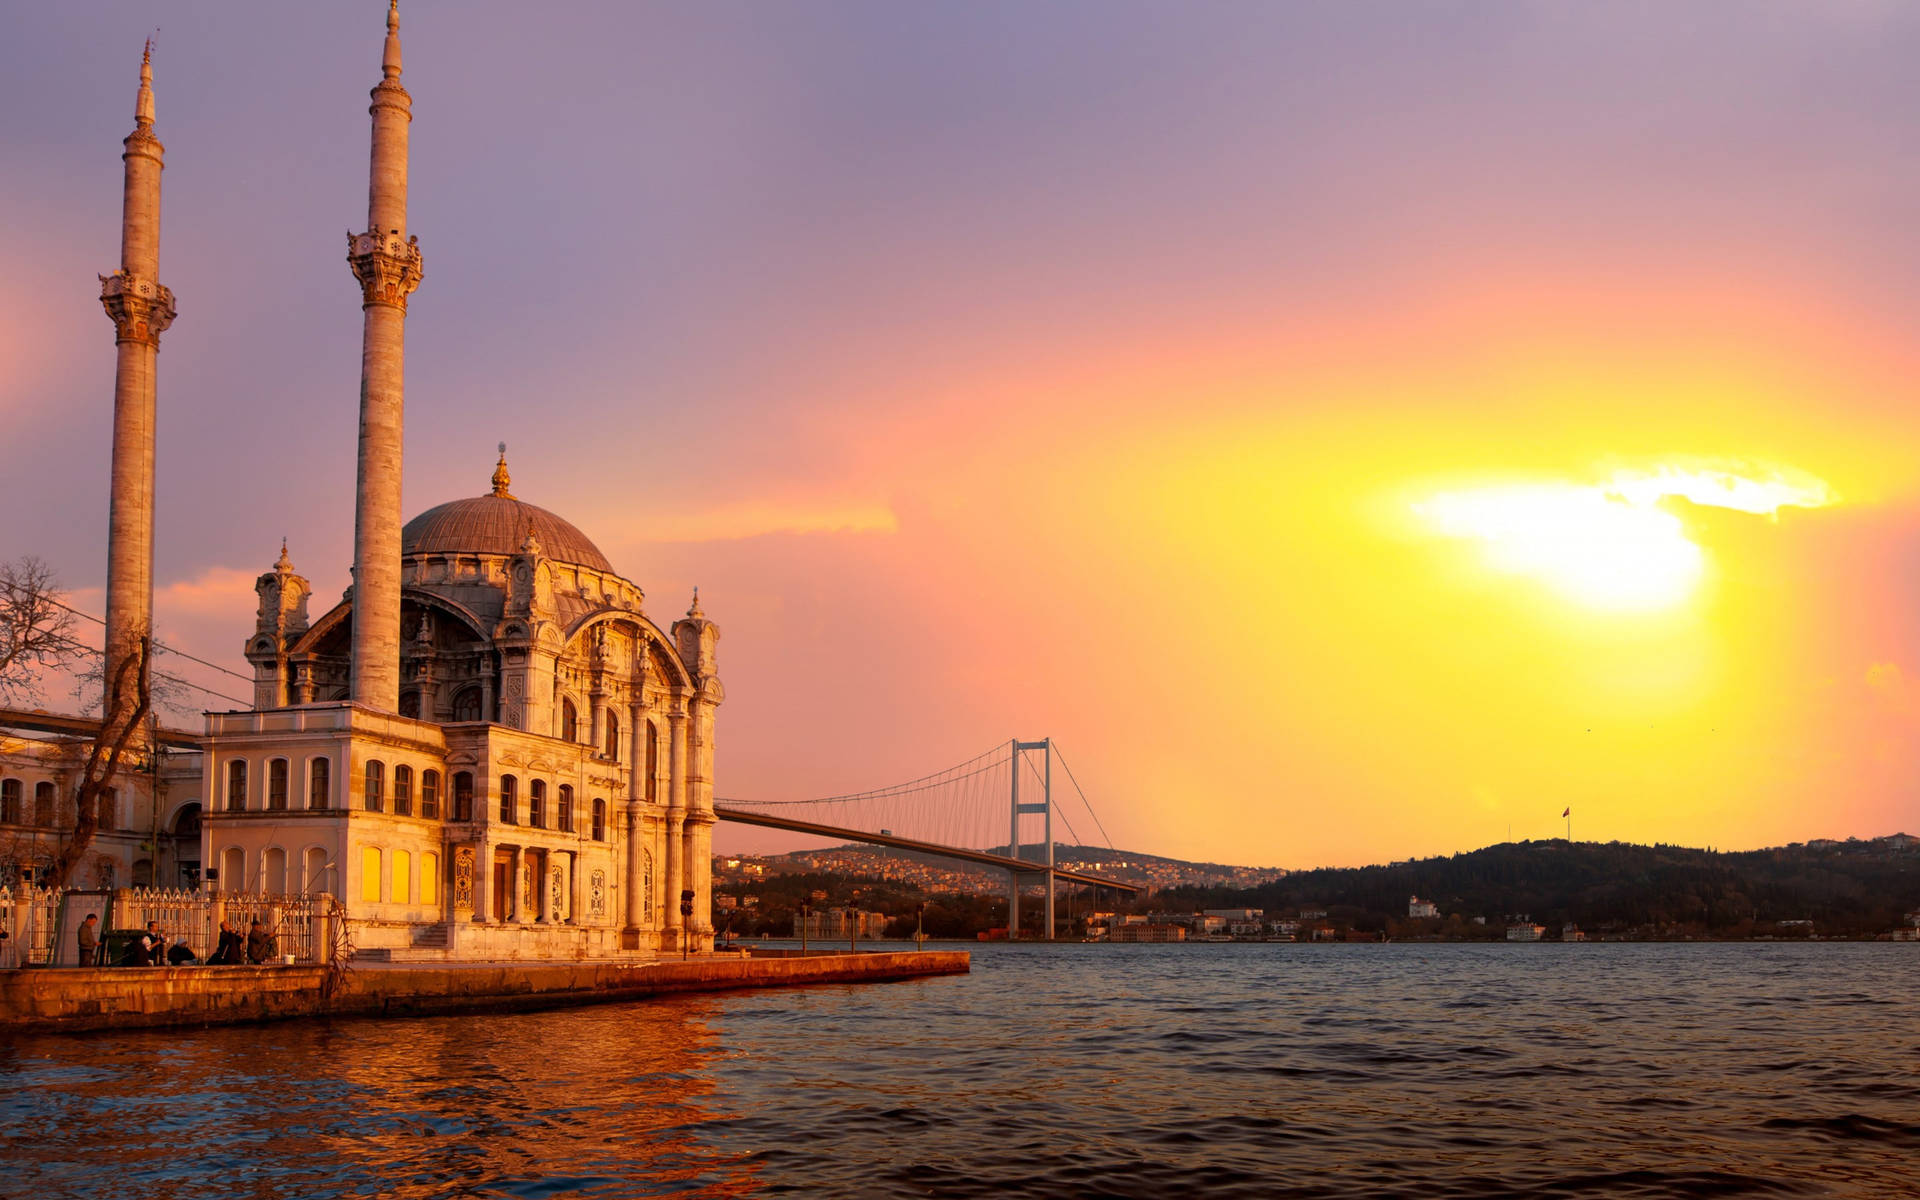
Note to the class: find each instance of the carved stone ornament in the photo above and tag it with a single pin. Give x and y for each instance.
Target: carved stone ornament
(557, 890)
(597, 892)
(140, 309)
(388, 268)
(463, 878)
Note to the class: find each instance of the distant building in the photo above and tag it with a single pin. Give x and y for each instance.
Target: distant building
(1416, 907)
(840, 923)
(1528, 932)
(1571, 933)
(1237, 914)
(725, 902)
(1156, 932)
(1313, 914)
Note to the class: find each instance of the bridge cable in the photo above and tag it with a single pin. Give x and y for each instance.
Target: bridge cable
(1083, 795)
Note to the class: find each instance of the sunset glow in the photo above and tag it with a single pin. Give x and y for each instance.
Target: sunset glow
(1612, 545)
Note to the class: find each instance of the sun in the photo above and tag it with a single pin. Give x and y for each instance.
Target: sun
(1610, 545)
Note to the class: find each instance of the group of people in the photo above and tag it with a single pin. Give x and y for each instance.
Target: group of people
(151, 948)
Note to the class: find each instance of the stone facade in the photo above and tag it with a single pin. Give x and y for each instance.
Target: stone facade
(150, 831)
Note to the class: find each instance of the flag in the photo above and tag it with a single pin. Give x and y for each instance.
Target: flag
(1569, 811)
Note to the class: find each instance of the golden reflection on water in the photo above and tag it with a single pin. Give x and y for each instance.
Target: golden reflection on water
(582, 1101)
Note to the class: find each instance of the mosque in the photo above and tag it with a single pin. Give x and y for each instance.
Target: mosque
(488, 749)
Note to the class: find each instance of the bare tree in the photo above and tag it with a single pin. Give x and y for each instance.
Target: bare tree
(36, 637)
(129, 698)
(36, 629)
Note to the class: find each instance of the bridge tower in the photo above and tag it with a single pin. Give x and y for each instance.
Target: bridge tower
(1043, 809)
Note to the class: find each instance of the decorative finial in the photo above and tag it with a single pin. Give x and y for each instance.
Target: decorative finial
(285, 564)
(501, 479)
(143, 105)
(694, 610)
(390, 62)
(531, 546)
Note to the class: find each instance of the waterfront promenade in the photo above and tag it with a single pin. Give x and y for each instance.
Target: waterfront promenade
(86, 999)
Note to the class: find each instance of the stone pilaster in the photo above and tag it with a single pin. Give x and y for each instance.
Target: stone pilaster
(386, 261)
(675, 868)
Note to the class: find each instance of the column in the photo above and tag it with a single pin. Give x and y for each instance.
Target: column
(517, 896)
(636, 789)
(482, 879)
(676, 813)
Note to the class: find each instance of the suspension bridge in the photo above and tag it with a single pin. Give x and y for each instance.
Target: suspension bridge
(990, 811)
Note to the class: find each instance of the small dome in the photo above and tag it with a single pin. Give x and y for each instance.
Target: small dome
(498, 524)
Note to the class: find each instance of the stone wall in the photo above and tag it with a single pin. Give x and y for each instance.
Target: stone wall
(76, 999)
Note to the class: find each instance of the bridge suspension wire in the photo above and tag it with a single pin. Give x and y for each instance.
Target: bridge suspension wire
(1082, 794)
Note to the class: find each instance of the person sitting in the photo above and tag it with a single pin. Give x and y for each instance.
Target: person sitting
(260, 945)
(228, 952)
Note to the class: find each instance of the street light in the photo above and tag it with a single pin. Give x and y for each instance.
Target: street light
(806, 910)
(686, 921)
(919, 924)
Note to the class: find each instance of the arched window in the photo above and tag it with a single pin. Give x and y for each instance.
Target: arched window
(319, 783)
(43, 804)
(370, 874)
(402, 878)
(277, 783)
(410, 705)
(107, 810)
(653, 763)
(273, 871)
(599, 820)
(316, 877)
(429, 878)
(563, 810)
(463, 795)
(510, 799)
(537, 804)
(613, 736)
(9, 801)
(233, 869)
(466, 705)
(430, 794)
(237, 786)
(569, 722)
(376, 785)
(403, 790)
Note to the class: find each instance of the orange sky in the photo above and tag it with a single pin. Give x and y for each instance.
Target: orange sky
(1084, 375)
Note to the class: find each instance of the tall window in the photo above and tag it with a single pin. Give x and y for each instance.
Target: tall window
(319, 783)
(599, 820)
(537, 804)
(376, 785)
(613, 736)
(277, 783)
(510, 799)
(403, 790)
(10, 801)
(237, 785)
(563, 811)
(466, 706)
(569, 722)
(430, 794)
(370, 874)
(429, 878)
(463, 795)
(402, 877)
(653, 763)
(107, 811)
(43, 804)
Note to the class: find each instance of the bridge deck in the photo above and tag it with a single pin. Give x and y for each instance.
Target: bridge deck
(981, 857)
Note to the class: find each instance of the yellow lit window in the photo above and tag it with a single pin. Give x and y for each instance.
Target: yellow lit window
(402, 873)
(429, 879)
(370, 874)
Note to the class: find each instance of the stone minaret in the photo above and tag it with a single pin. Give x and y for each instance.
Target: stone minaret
(141, 310)
(386, 261)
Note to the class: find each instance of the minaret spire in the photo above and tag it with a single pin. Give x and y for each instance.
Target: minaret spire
(386, 261)
(141, 310)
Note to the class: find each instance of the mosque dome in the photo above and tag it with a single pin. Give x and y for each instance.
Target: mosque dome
(498, 524)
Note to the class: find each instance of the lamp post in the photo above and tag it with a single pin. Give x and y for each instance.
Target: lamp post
(805, 910)
(686, 922)
(919, 925)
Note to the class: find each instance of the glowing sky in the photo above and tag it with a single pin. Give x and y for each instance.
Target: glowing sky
(1353, 430)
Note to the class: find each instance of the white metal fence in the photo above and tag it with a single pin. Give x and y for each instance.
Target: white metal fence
(298, 925)
(27, 917)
